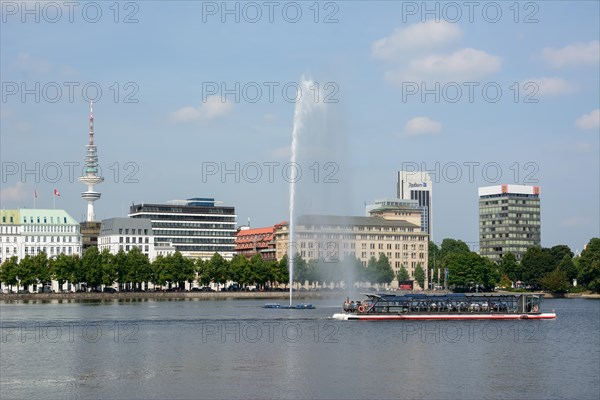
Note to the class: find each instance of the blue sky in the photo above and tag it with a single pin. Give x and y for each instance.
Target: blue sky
(160, 129)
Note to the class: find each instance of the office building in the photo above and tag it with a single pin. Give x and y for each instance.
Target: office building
(509, 220)
(416, 185)
(196, 227)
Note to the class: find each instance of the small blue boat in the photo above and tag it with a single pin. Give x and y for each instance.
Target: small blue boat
(301, 306)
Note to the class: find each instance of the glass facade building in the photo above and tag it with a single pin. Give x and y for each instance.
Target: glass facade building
(195, 227)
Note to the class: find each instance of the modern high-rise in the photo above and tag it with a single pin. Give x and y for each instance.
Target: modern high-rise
(196, 227)
(509, 220)
(416, 185)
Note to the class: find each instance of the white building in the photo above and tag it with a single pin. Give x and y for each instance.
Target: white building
(126, 233)
(416, 185)
(31, 231)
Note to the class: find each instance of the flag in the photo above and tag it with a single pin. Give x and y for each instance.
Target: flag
(35, 194)
(56, 192)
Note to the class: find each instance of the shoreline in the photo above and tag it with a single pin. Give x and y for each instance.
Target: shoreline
(9, 297)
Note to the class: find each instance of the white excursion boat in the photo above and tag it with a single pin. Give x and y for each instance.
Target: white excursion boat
(450, 306)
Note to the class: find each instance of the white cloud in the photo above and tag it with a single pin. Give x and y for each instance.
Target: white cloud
(14, 193)
(422, 126)
(548, 86)
(28, 63)
(461, 66)
(589, 121)
(573, 55)
(416, 37)
(212, 108)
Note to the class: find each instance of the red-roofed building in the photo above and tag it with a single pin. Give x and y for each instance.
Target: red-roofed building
(248, 242)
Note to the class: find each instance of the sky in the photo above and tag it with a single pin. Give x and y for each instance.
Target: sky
(197, 99)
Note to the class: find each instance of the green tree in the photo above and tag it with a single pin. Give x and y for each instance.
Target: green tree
(261, 273)
(91, 265)
(466, 270)
(567, 266)
(62, 269)
(139, 268)
(536, 263)
(9, 271)
(371, 272)
(203, 272)
(121, 268)
(281, 273)
(237, 269)
(109, 270)
(556, 281)
(182, 269)
(510, 267)
(589, 264)
(559, 252)
(402, 274)
(26, 272)
(385, 273)
(218, 269)
(41, 269)
(301, 272)
(450, 246)
(420, 275)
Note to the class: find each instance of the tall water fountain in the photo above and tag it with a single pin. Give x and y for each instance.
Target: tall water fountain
(316, 146)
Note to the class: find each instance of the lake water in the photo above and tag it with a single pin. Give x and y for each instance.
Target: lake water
(236, 349)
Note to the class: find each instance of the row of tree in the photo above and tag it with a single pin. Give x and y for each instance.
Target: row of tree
(133, 270)
(554, 269)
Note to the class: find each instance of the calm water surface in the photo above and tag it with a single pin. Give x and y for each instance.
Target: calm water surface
(236, 349)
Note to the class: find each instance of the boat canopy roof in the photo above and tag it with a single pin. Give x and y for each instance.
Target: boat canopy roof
(447, 296)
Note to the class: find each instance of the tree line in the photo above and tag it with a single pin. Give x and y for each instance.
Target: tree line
(133, 270)
(553, 269)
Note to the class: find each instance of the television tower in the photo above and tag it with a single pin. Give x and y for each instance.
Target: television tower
(91, 177)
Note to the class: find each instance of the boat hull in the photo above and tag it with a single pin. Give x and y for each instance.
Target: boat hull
(438, 317)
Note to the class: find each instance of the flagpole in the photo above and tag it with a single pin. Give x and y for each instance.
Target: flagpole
(54, 202)
(34, 197)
